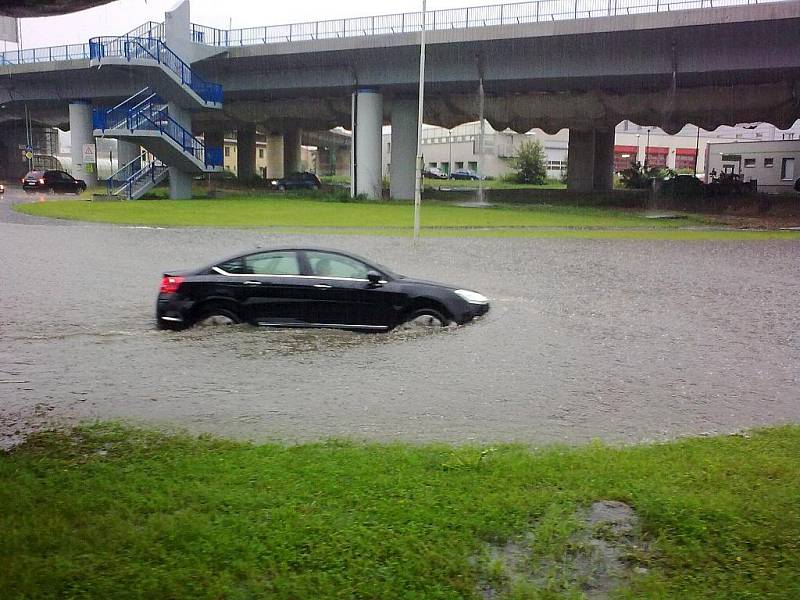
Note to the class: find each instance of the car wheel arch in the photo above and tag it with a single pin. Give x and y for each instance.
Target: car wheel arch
(423, 302)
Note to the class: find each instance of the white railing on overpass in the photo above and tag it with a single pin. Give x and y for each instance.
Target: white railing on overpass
(455, 18)
(150, 29)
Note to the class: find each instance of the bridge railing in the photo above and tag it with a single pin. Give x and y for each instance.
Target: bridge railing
(49, 54)
(152, 48)
(455, 18)
(150, 29)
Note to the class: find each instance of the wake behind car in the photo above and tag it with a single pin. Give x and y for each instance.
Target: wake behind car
(54, 182)
(309, 287)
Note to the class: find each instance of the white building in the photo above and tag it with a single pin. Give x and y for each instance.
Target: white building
(774, 165)
(458, 148)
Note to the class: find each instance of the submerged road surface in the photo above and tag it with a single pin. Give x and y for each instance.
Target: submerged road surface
(617, 340)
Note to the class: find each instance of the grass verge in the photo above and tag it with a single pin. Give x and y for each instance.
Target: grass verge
(112, 512)
(395, 219)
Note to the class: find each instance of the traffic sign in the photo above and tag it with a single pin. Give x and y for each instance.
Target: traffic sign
(89, 154)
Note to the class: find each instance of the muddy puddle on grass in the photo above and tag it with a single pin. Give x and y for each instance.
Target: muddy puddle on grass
(604, 551)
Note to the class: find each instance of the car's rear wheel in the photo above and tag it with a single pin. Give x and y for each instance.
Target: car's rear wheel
(425, 318)
(281, 188)
(214, 316)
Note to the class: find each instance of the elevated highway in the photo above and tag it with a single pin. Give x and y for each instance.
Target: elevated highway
(580, 64)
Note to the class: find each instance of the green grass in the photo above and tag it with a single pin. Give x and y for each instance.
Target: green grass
(110, 512)
(395, 218)
(299, 212)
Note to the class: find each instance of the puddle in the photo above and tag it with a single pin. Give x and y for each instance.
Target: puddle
(603, 554)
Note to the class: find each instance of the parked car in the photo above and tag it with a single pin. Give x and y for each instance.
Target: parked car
(434, 173)
(309, 287)
(297, 181)
(54, 182)
(465, 174)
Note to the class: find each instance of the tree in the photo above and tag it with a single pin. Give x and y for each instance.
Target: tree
(530, 163)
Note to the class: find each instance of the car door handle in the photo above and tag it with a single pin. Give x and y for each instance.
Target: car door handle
(322, 286)
(252, 282)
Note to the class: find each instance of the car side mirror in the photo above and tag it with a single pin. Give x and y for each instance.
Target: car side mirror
(374, 278)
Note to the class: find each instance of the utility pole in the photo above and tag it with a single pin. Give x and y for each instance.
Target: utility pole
(696, 150)
(418, 173)
(480, 141)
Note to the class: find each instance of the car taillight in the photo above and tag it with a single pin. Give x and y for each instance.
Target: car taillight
(170, 285)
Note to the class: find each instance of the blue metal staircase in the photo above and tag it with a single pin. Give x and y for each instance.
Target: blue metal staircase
(134, 180)
(151, 51)
(144, 119)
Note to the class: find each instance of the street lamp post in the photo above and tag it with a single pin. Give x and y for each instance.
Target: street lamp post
(418, 175)
(647, 147)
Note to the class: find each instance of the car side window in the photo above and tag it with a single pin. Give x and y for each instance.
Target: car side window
(273, 263)
(325, 264)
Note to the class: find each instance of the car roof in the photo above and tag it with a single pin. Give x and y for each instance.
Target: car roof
(260, 249)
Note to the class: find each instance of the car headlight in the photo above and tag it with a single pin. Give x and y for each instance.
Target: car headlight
(274, 182)
(472, 297)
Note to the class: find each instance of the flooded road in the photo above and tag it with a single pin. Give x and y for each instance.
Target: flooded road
(616, 340)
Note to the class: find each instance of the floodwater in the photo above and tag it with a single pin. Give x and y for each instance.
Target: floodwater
(622, 341)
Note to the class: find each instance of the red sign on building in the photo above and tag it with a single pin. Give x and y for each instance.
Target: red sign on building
(685, 158)
(656, 156)
(624, 156)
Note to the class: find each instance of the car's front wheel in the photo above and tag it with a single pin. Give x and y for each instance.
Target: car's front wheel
(425, 318)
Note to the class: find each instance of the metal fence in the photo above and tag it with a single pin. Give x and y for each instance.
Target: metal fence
(456, 18)
(150, 29)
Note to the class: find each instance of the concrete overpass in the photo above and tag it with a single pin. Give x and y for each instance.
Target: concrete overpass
(580, 64)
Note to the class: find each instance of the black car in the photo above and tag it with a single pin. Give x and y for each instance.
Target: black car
(297, 181)
(307, 287)
(54, 182)
(464, 174)
(434, 173)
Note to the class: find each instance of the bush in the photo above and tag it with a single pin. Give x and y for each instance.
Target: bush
(638, 176)
(530, 163)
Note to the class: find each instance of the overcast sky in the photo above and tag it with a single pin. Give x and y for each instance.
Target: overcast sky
(121, 16)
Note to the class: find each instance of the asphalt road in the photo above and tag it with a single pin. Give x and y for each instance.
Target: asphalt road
(622, 341)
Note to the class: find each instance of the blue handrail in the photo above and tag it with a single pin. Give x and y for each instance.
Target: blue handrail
(123, 175)
(151, 114)
(152, 48)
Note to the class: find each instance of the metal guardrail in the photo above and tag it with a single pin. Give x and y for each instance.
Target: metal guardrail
(151, 48)
(436, 20)
(49, 54)
(456, 18)
(151, 29)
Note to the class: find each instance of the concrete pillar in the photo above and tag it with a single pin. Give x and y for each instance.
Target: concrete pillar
(580, 161)
(180, 182)
(246, 153)
(404, 149)
(127, 152)
(292, 162)
(275, 156)
(603, 160)
(367, 118)
(81, 133)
